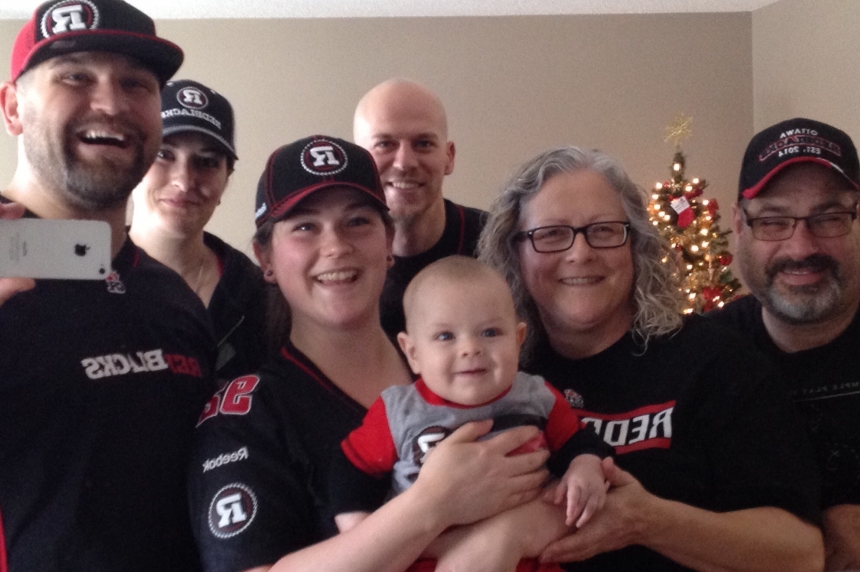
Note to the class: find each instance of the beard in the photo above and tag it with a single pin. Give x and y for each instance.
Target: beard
(91, 185)
(803, 304)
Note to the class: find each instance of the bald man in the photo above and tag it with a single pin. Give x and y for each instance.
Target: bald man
(404, 126)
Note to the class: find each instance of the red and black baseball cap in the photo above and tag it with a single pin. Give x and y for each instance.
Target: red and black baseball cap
(797, 140)
(295, 171)
(66, 26)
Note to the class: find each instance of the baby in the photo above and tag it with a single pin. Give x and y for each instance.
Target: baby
(463, 339)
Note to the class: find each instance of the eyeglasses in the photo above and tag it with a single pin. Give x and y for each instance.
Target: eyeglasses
(824, 225)
(560, 237)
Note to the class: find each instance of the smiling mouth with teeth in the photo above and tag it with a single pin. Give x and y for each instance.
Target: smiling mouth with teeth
(581, 281)
(403, 185)
(342, 276)
(104, 138)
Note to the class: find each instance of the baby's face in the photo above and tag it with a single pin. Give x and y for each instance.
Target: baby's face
(464, 340)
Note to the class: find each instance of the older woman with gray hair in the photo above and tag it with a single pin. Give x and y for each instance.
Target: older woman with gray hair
(711, 470)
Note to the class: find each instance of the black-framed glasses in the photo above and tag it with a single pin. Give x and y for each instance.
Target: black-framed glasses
(559, 237)
(824, 225)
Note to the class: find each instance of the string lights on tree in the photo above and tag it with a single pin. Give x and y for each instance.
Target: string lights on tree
(691, 225)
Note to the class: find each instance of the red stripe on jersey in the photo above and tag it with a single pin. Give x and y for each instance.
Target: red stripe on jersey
(311, 373)
(434, 399)
(661, 443)
(627, 414)
(321, 380)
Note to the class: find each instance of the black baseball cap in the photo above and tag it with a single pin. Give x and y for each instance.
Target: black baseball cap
(190, 106)
(295, 171)
(67, 26)
(797, 140)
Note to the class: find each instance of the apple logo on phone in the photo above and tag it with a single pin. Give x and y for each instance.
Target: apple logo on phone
(81, 249)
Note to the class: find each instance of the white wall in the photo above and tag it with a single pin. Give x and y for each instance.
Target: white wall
(512, 86)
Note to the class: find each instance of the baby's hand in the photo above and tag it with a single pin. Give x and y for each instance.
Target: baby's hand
(584, 487)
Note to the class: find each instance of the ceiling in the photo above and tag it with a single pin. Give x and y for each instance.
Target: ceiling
(161, 9)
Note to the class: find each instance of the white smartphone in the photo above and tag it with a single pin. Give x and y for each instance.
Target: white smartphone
(67, 249)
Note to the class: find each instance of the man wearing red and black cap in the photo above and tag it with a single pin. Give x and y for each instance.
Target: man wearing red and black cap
(101, 381)
(798, 243)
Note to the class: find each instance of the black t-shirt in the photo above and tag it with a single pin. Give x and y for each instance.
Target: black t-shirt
(259, 473)
(824, 383)
(101, 382)
(695, 417)
(463, 227)
(237, 309)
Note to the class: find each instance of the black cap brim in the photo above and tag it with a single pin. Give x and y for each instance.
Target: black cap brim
(222, 144)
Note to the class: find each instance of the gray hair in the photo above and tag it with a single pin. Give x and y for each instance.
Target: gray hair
(656, 293)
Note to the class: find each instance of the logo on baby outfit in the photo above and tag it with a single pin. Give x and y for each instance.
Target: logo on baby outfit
(323, 157)
(232, 510)
(69, 16)
(426, 441)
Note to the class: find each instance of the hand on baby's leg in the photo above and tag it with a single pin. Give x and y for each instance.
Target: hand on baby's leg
(583, 487)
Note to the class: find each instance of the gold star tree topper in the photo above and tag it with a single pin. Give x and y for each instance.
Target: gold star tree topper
(679, 129)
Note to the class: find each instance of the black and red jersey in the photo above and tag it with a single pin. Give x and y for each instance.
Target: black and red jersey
(407, 422)
(101, 383)
(237, 310)
(696, 417)
(259, 473)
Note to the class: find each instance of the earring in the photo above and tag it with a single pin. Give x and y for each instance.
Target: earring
(270, 273)
(390, 258)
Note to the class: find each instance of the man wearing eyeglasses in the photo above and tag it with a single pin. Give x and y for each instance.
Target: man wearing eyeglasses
(798, 243)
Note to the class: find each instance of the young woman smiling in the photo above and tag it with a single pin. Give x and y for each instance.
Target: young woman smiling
(259, 486)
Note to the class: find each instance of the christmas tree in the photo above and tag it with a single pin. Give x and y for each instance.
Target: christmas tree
(691, 225)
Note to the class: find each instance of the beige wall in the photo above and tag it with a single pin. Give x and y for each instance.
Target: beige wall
(512, 86)
(8, 146)
(806, 62)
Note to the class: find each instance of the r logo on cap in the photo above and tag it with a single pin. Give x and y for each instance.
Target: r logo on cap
(192, 97)
(69, 16)
(323, 157)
